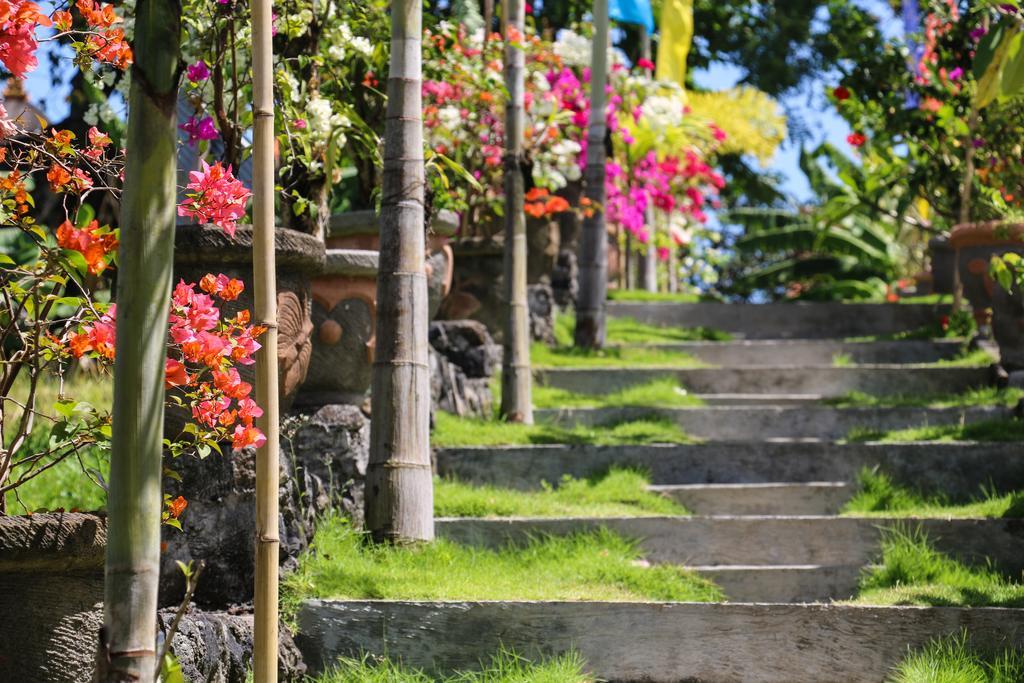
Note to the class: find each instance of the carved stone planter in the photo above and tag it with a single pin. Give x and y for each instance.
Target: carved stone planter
(344, 306)
(942, 264)
(202, 249)
(478, 287)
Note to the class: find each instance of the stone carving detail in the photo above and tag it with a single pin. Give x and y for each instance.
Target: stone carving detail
(294, 346)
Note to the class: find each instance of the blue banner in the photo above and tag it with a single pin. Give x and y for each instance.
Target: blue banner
(632, 12)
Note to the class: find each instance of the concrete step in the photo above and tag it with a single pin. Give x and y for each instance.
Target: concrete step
(759, 352)
(784, 583)
(760, 399)
(754, 540)
(737, 423)
(656, 642)
(821, 380)
(786, 320)
(803, 498)
(956, 469)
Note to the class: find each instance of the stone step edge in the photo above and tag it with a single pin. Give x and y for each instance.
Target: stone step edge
(660, 488)
(661, 642)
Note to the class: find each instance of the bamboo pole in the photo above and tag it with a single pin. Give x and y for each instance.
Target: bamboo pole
(516, 401)
(593, 259)
(649, 264)
(265, 293)
(132, 571)
(399, 483)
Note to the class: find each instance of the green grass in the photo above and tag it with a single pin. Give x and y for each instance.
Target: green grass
(984, 396)
(631, 331)
(880, 497)
(597, 565)
(544, 356)
(934, 299)
(986, 430)
(652, 297)
(451, 431)
(912, 572)
(618, 493)
(842, 360)
(966, 359)
(665, 392)
(504, 667)
(66, 485)
(953, 660)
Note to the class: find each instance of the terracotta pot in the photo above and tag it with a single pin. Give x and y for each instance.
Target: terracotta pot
(478, 287)
(202, 249)
(344, 308)
(974, 245)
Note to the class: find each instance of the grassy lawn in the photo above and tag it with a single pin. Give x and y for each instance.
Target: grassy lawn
(450, 430)
(987, 430)
(880, 497)
(598, 565)
(504, 667)
(912, 572)
(953, 660)
(665, 392)
(620, 492)
(984, 396)
(652, 297)
(631, 331)
(71, 484)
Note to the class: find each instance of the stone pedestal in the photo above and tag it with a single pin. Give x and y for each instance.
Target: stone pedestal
(463, 358)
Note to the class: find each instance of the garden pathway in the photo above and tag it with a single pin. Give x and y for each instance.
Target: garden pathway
(766, 486)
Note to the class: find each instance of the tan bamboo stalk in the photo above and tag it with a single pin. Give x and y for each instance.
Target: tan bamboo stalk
(649, 264)
(128, 649)
(516, 402)
(399, 486)
(593, 259)
(265, 295)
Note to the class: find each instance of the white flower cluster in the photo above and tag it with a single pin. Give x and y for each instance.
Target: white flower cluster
(342, 40)
(557, 165)
(661, 112)
(323, 120)
(573, 48)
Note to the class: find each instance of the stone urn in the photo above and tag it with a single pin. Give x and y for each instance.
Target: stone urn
(202, 249)
(344, 308)
(478, 286)
(974, 245)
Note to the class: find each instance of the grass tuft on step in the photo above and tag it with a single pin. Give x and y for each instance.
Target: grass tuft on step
(597, 565)
(504, 667)
(985, 396)
(880, 497)
(643, 296)
(627, 330)
(986, 430)
(953, 660)
(913, 572)
(665, 392)
(452, 431)
(618, 493)
(544, 356)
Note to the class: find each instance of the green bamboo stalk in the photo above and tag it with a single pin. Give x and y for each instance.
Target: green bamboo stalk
(516, 402)
(399, 485)
(265, 295)
(593, 259)
(128, 650)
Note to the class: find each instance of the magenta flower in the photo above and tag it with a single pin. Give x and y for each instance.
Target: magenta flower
(978, 32)
(202, 129)
(197, 72)
(217, 197)
(956, 74)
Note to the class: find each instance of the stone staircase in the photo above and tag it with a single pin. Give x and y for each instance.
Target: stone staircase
(765, 489)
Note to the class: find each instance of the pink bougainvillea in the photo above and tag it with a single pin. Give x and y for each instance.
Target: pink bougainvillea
(217, 197)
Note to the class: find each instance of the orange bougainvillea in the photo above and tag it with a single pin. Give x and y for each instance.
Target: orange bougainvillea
(540, 203)
(95, 243)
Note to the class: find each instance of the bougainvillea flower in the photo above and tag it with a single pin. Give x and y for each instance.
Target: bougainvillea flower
(222, 286)
(197, 72)
(245, 437)
(199, 129)
(95, 243)
(645, 64)
(177, 506)
(841, 93)
(19, 20)
(217, 197)
(856, 139)
(98, 337)
(175, 374)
